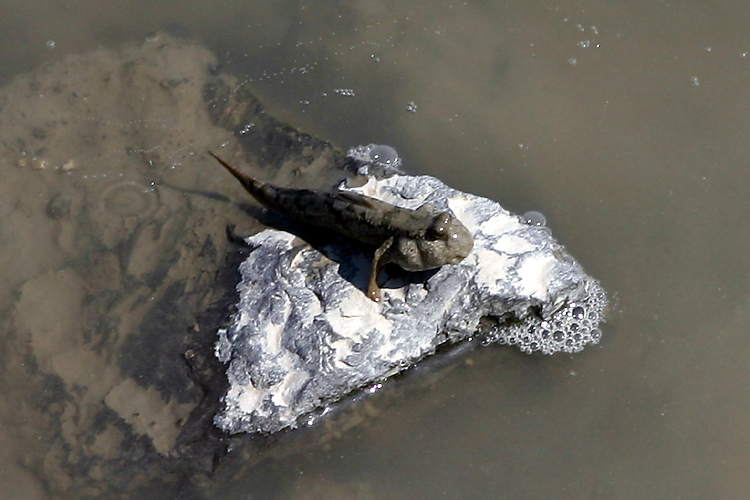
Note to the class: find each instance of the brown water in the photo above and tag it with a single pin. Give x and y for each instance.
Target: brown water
(626, 123)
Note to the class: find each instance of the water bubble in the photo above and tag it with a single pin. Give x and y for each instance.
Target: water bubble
(382, 158)
(534, 218)
(383, 154)
(558, 335)
(411, 107)
(50, 44)
(578, 312)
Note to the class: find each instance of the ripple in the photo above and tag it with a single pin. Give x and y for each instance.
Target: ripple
(129, 199)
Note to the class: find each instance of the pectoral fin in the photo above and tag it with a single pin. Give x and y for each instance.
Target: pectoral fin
(373, 290)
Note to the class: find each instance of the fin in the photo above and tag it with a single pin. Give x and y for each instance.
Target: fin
(249, 183)
(373, 290)
(357, 199)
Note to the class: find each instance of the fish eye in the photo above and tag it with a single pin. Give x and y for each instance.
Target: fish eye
(440, 226)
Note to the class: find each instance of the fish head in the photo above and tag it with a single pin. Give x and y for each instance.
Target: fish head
(446, 241)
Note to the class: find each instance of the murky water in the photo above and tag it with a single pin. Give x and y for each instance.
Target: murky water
(625, 123)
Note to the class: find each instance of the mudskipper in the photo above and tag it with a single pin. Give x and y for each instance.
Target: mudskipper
(416, 240)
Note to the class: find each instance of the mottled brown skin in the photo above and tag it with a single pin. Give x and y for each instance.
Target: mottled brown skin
(416, 240)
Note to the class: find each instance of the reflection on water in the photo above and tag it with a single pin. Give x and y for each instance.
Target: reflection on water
(625, 124)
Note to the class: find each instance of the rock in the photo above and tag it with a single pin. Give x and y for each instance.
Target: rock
(305, 334)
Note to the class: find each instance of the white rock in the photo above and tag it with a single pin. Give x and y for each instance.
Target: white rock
(305, 333)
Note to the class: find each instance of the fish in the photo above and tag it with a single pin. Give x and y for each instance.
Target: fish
(416, 240)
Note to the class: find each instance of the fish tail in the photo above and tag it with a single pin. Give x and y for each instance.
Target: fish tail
(252, 185)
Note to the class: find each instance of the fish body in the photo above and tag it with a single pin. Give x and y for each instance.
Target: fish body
(416, 240)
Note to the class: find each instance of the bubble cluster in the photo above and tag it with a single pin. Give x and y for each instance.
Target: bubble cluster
(377, 155)
(569, 329)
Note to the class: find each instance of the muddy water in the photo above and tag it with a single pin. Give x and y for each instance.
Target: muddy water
(624, 122)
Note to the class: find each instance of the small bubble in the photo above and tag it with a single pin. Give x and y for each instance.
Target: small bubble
(694, 81)
(411, 107)
(374, 388)
(578, 312)
(558, 335)
(534, 218)
(572, 61)
(584, 44)
(596, 335)
(50, 44)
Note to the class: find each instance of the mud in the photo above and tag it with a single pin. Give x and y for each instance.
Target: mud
(112, 248)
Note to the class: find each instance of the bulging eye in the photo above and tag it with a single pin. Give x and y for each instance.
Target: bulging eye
(440, 226)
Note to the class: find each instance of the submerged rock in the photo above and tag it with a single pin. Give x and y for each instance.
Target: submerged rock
(305, 334)
(116, 269)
